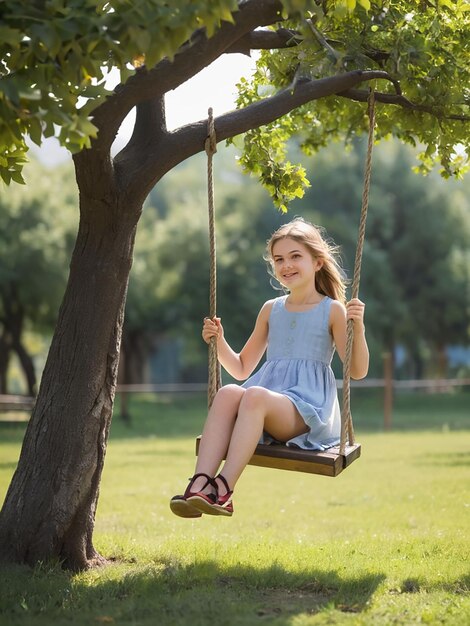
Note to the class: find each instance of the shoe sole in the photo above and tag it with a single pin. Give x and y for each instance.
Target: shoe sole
(206, 507)
(182, 508)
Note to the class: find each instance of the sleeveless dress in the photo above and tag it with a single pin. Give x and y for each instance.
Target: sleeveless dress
(298, 365)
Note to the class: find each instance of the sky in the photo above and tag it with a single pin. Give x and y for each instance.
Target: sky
(213, 87)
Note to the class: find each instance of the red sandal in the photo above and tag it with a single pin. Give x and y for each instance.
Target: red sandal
(180, 506)
(213, 504)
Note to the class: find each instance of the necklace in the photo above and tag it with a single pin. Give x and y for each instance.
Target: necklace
(316, 299)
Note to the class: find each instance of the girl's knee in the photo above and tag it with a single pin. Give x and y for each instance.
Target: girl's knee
(255, 398)
(228, 392)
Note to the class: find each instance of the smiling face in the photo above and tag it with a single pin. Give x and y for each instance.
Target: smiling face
(300, 237)
(293, 264)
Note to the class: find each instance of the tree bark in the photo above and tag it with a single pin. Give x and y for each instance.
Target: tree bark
(50, 507)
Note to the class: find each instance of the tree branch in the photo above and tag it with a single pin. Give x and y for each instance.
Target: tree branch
(399, 100)
(189, 140)
(149, 129)
(265, 40)
(323, 42)
(191, 59)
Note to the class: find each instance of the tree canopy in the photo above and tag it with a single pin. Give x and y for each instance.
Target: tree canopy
(37, 223)
(55, 56)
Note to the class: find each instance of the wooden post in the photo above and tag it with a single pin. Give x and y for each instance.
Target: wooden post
(388, 390)
(124, 395)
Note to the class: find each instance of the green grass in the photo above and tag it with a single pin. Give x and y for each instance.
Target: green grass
(384, 543)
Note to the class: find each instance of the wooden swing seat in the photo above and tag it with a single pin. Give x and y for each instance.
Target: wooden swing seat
(326, 463)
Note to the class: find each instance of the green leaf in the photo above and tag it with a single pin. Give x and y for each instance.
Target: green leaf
(17, 177)
(10, 90)
(6, 175)
(10, 36)
(35, 130)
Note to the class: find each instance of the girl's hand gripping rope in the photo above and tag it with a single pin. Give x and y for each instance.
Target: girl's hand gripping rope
(212, 328)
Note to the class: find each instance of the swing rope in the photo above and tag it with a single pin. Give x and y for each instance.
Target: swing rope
(347, 431)
(214, 381)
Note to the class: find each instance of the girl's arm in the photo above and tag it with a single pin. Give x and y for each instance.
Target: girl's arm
(240, 365)
(339, 315)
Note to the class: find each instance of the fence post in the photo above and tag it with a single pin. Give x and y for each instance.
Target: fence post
(388, 389)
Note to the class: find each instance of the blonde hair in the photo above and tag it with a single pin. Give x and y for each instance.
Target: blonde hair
(330, 279)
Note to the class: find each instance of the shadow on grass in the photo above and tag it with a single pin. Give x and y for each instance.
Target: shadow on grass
(171, 592)
(461, 586)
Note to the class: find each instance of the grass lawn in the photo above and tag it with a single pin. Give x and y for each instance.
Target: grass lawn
(386, 542)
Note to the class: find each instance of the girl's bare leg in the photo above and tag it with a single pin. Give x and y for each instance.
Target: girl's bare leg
(259, 409)
(217, 432)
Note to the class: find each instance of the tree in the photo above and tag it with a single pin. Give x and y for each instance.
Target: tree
(172, 305)
(413, 274)
(53, 58)
(165, 290)
(37, 223)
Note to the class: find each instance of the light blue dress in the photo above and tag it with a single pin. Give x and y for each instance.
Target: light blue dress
(298, 365)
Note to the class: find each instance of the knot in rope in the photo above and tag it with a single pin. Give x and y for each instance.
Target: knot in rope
(210, 145)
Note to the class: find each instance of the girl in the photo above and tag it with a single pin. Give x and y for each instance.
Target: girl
(292, 398)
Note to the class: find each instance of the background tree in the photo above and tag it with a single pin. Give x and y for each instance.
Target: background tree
(429, 230)
(53, 53)
(168, 289)
(37, 225)
(415, 274)
(403, 260)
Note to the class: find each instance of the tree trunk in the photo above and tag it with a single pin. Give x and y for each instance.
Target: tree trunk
(27, 366)
(133, 360)
(49, 510)
(442, 361)
(135, 346)
(123, 396)
(5, 348)
(14, 323)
